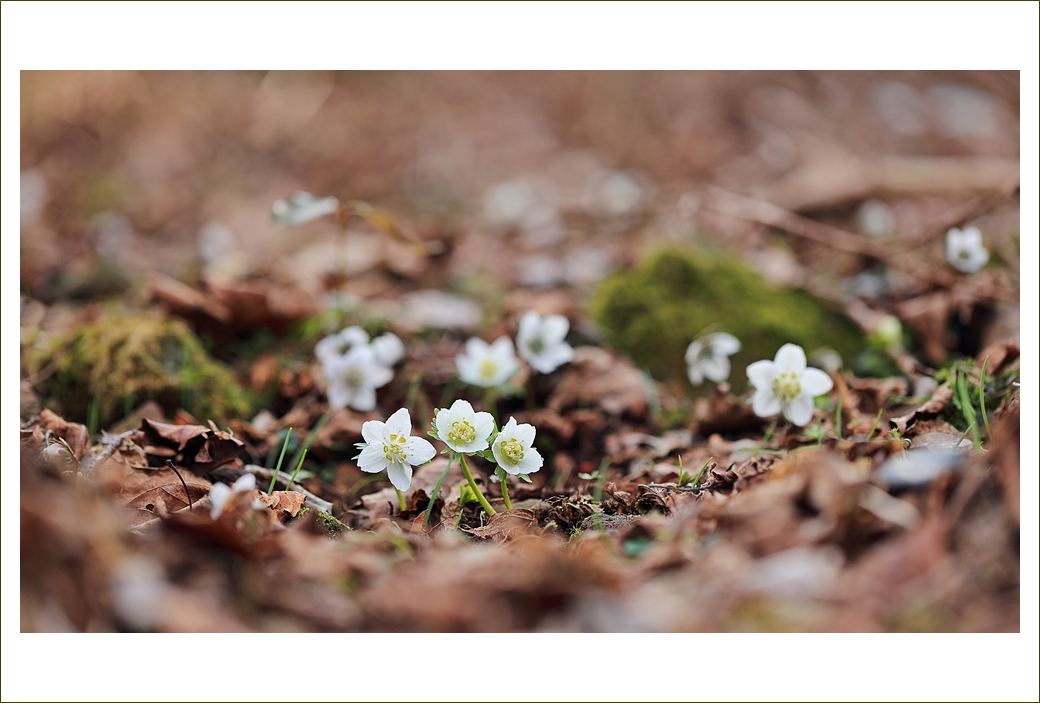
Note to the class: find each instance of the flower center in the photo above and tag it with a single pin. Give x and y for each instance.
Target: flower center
(786, 386)
(462, 432)
(352, 377)
(537, 344)
(513, 450)
(964, 254)
(394, 449)
(488, 368)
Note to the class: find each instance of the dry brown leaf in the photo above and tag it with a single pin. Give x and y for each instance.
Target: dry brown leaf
(163, 501)
(597, 377)
(933, 406)
(507, 525)
(73, 433)
(289, 501)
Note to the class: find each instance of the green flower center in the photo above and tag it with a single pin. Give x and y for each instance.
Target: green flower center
(462, 432)
(394, 449)
(537, 344)
(513, 451)
(352, 377)
(786, 386)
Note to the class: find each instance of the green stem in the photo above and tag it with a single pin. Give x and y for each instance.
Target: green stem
(873, 428)
(285, 445)
(489, 403)
(437, 489)
(505, 492)
(982, 399)
(400, 499)
(473, 486)
(297, 472)
(311, 436)
(837, 416)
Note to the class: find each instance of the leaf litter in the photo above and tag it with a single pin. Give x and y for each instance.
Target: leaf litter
(660, 506)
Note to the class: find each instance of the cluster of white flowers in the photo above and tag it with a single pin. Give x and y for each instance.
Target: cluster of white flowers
(390, 447)
(354, 367)
(540, 340)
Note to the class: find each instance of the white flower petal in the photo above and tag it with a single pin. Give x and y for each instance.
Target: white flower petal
(724, 343)
(419, 451)
(693, 371)
(531, 462)
(476, 347)
(483, 423)
(799, 410)
(400, 475)
(339, 396)
(245, 482)
(528, 327)
(373, 459)
(716, 368)
(363, 399)
(377, 376)
(555, 328)
(693, 352)
(467, 368)
(790, 358)
(552, 358)
(765, 403)
(815, 382)
(389, 349)
(353, 336)
(524, 434)
(400, 423)
(374, 432)
(218, 496)
(761, 374)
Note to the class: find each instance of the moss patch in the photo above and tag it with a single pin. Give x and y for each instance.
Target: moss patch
(652, 313)
(123, 359)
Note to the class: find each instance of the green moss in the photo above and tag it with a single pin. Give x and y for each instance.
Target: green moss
(331, 525)
(653, 312)
(122, 359)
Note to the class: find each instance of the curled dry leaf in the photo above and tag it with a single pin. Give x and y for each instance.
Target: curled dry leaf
(200, 448)
(507, 525)
(73, 433)
(597, 377)
(933, 406)
(163, 501)
(288, 501)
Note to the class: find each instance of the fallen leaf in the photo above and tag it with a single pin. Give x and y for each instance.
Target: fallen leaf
(162, 501)
(289, 501)
(933, 406)
(597, 377)
(505, 526)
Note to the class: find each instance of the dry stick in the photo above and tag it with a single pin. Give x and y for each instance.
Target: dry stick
(961, 213)
(111, 442)
(169, 465)
(765, 213)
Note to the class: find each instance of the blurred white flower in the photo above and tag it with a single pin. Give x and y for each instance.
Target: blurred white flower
(389, 349)
(785, 384)
(336, 345)
(220, 492)
(33, 197)
(708, 357)
(463, 430)
(541, 341)
(964, 249)
(513, 450)
(487, 365)
(354, 377)
(391, 448)
(301, 208)
(507, 202)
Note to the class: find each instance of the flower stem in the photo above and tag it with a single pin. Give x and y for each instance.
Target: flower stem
(400, 499)
(473, 485)
(278, 468)
(489, 403)
(437, 488)
(505, 491)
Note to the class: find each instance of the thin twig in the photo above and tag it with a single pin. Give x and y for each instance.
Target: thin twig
(169, 465)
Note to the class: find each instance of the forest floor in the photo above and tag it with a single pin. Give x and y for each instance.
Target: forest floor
(168, 332)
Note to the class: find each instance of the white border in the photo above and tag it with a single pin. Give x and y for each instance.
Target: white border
(513, 36)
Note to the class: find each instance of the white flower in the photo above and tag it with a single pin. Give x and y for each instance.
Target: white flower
(389, 349)
(540, 341)
(220, 492)
(340, 343)
(708, 357)
(390, 447)
(301, 208)
(513, 450)
(487, 365)
(463, 430)
(786, 384)
(964, 249)
(354, 377)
